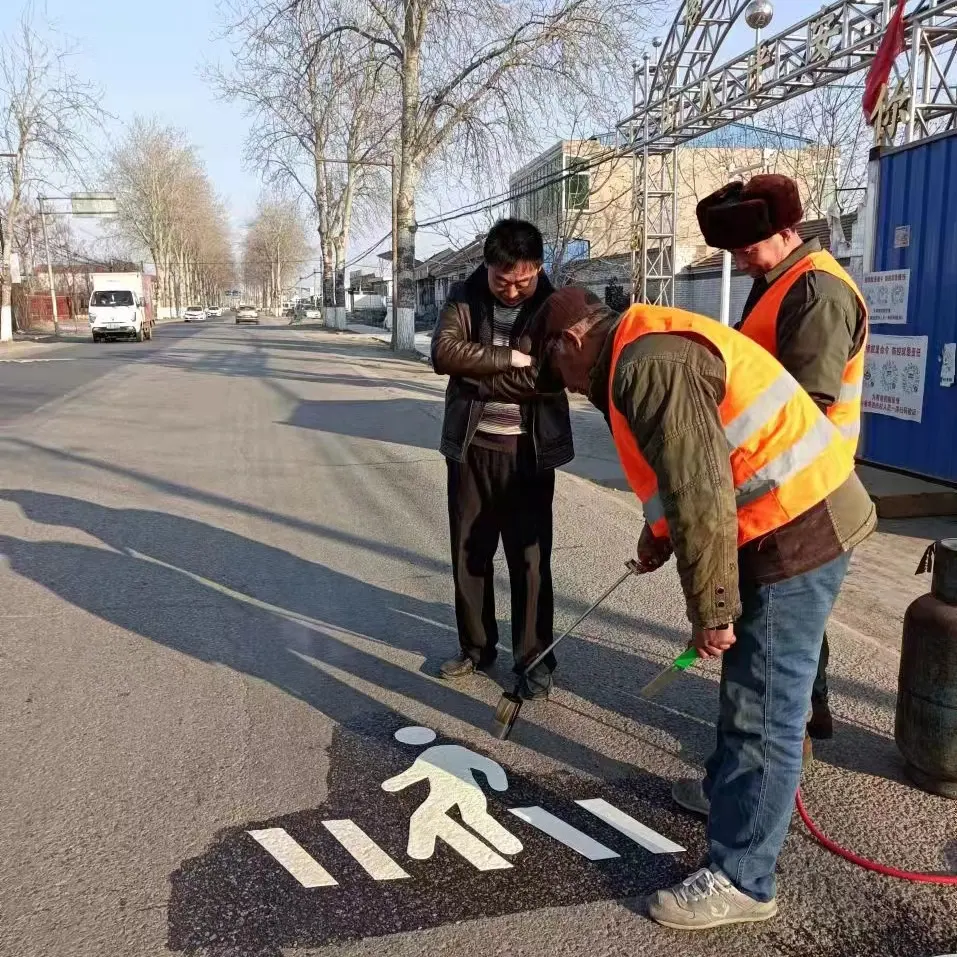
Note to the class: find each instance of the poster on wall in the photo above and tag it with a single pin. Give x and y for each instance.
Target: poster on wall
(894, 371)
(886, 296)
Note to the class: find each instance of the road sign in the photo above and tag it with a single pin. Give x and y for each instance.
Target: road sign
(93, 204)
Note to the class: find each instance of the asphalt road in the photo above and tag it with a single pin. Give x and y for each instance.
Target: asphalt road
(225, 587)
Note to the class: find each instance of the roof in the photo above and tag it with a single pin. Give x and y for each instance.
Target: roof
(819, 229)
(745, 136)
(451, 260)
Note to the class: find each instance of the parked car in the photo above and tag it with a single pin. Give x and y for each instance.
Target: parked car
(247, 314)
(194, 314)
(216, 311)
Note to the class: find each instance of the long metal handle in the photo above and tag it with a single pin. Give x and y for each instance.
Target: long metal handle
(632, 570)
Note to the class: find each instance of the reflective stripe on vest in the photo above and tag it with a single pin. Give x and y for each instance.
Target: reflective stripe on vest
(761, 326)
(785, 456)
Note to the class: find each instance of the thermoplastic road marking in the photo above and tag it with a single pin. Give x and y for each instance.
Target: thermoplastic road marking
(296, 859)
(638, 832)
(376, 863)
(565, 833)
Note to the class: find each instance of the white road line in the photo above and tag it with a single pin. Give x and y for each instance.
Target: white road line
(375, 862)
(568, 835)
(296, 859)
(638, 832)
(65, 359)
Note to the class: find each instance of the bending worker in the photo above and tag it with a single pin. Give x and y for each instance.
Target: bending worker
(807, 312)
(732, 461)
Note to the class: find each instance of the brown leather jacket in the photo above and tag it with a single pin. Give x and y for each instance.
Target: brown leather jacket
(480, 371)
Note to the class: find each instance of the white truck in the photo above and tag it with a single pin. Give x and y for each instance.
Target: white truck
(121, 306)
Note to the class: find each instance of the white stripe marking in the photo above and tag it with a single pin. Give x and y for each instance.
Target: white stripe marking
(638, 832)
(296, 859)
(568, 835)
(375, 862)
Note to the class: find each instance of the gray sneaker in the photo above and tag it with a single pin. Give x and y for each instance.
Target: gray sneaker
(689, 794)
(706, 899)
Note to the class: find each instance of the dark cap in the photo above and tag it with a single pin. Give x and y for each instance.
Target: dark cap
(742, 214)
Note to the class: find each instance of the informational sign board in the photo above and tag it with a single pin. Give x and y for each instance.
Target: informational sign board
(886, 294)
(93, 204)
(15, 276)
(902, 237)
(894, 372)
(948, 364)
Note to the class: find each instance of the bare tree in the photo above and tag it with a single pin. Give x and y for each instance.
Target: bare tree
(46, 110)
(169, 210)
(475, 80)
(319, 124)
(274, 246)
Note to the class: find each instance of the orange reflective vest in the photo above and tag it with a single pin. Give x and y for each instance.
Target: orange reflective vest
(786, 457)
(762, 326)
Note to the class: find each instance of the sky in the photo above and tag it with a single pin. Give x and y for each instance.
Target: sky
(147, 59)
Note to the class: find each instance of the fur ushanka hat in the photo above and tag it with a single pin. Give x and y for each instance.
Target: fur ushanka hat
(742, 214)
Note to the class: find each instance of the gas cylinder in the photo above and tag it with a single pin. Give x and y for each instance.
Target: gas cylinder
(926, 725)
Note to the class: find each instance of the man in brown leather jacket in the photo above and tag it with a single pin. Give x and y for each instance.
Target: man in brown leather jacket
(501, 451)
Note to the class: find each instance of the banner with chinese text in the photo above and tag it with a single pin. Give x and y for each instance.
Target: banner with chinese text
(894, 371)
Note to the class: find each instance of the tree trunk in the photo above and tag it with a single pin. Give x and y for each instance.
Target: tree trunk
(403, 332)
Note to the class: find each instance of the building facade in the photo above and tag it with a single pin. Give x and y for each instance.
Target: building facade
(582, 201)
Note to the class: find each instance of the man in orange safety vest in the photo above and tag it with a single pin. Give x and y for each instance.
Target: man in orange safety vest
(729, 456)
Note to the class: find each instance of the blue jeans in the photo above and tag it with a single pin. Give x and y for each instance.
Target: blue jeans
(766, 680)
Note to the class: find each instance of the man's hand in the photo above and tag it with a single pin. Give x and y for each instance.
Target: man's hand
(520, 360)
(652, 552)
(713, 642)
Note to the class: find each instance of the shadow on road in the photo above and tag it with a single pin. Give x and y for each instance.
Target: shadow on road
(271, 608)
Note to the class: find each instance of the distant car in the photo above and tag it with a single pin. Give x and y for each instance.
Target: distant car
(247, 314)
(194, 314)
(306, 312)
(216, 311)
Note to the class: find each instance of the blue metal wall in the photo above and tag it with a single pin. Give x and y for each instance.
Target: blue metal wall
(918, 188)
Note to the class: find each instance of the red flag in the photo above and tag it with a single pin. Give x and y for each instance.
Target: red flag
(891, 46)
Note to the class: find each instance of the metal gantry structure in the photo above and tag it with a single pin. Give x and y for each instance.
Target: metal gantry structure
(679, 94)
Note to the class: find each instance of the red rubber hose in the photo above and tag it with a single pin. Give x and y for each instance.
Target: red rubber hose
(863, 861)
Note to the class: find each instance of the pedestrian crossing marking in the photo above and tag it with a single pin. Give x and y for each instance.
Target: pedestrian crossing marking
(295, 858)
(376, 863)
(640, 833)
(569, 836)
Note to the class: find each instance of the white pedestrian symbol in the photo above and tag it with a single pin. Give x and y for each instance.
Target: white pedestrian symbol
(450, 770)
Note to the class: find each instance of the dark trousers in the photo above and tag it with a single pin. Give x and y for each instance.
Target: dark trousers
(499, 494)
(819, 692)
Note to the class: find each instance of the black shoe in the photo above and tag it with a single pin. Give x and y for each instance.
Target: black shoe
(462, 665)
(821, 725)
(533, 688)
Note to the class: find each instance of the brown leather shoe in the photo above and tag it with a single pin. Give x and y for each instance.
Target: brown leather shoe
(807, 752)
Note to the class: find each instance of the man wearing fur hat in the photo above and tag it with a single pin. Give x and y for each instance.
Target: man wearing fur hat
(805, 310)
